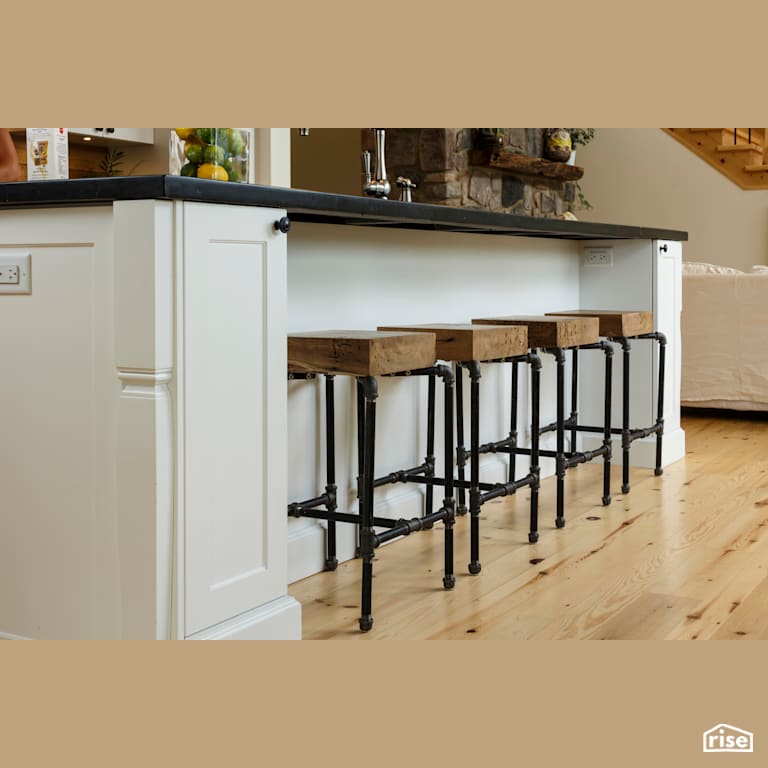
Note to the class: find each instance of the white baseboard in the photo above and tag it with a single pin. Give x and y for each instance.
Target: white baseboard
(306, 549)
(277, 620)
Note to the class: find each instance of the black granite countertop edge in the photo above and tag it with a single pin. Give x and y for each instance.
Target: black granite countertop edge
(321, 207)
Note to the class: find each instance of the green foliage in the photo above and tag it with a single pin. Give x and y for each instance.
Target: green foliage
(581, 203)
(111, 163)
(581, 136)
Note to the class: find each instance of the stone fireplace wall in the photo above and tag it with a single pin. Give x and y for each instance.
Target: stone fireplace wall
(439, 161)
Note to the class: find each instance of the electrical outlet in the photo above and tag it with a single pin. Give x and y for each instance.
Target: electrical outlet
(14, 272)
(9, 274)
(598, 257)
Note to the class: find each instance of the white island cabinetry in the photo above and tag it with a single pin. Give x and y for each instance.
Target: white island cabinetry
(143, 463)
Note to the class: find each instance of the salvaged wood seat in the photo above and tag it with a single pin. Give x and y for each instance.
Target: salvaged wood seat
(545, 332)
(359, 353)
(615, 322)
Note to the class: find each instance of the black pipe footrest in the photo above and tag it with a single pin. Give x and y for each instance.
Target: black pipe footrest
(568, 424)
(406, 527)
(344, 517)
(582, 457)
(402, 475)
(634, 434)
(500, 446)
(505, 489)
(298, 508)
(577, 457)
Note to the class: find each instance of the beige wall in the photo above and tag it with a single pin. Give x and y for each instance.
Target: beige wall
(143, 160)
(328, 160)
(644, 177)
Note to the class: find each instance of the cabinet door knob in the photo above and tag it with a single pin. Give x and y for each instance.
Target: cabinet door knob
(283, 225)
(663, 248)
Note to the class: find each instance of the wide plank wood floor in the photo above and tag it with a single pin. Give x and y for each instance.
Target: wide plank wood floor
(683, 556)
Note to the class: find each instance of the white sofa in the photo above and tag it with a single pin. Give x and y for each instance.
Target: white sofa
(725, 337)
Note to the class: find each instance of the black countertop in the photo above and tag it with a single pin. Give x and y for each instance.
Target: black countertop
(322, 207)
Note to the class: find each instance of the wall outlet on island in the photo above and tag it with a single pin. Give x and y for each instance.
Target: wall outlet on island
(598, 257)
(14, 272)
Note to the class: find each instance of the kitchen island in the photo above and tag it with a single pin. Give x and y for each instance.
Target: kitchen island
(149, 426)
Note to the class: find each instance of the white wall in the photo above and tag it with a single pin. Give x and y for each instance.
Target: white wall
(643, 176)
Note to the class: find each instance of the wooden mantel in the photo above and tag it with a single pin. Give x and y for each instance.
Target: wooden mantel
(524, 165)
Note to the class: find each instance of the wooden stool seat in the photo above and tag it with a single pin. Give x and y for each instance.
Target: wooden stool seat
(359, 353)
(550, 332)
(614, 322)
(456, 342)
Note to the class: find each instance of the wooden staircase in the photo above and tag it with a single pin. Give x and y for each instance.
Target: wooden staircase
(741, 154)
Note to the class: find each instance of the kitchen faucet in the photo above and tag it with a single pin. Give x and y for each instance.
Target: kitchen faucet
(378, 186)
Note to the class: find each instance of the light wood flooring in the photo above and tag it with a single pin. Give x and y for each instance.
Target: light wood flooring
(682, 556)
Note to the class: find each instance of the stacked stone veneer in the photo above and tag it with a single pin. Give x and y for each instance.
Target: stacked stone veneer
(438, 161)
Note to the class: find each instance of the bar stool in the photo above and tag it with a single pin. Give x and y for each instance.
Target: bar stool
(366, 356)
(555, 336)
(621, 326)
(467, 346)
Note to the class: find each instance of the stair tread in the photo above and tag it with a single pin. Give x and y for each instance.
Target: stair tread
(759, 168)
(738, 148)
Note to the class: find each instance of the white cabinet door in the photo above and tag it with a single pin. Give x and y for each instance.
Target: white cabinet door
(232, 410)
(132, 135)
(667, 308)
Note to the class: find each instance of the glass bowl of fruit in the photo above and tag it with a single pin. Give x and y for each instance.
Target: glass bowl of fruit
(221, 154)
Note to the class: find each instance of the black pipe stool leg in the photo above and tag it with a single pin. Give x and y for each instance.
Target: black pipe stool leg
(560, 447)
(369, 390)
(461, 456)
(626, 434)
(360, 451)
(574, 398)
(662, 339)
(474, 474)
(430, 457)
(533, 534)
(331, 561)
(608, 350)
(513, 424)
(449, 578)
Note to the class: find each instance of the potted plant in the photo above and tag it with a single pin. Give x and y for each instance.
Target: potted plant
(579, 137)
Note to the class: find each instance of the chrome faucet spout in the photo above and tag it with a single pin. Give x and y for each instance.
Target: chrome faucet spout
(377, 185)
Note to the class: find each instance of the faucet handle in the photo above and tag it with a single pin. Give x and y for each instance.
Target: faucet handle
(366, 156)
(406, 185)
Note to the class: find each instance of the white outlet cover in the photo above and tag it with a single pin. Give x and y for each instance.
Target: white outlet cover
(22, 260)
(598, 257)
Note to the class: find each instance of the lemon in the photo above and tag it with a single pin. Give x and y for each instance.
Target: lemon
(211, 171)
(214, 154)
(184, 133)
